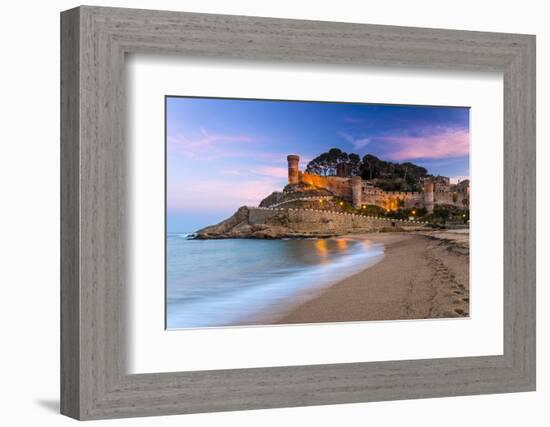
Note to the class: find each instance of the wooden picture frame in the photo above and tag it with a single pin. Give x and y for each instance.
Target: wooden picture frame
(94, 382)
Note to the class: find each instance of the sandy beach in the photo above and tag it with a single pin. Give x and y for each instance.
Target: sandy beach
(422, 275)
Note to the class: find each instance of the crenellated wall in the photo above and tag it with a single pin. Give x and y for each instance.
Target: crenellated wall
(277, 223)
(313, 221)
(436, 190)
(392, 200)
(364, 193)
(340, 187)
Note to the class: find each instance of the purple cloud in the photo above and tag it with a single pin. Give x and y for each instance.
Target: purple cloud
(228, 193)
(272, 171)
(203, 145)
(441, 144)
(357, 143)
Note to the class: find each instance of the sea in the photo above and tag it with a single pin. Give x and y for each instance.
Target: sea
(230, 282)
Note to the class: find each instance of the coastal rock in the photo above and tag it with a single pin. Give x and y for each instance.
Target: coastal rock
(243, 225)
(263, 223)
(235, 225)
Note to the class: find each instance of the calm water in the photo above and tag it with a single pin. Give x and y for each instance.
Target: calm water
(247, 281)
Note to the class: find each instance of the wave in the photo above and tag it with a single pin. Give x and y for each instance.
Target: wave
(270, 298)
(186, 236)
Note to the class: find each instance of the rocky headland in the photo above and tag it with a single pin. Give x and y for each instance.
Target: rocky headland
(276, 223)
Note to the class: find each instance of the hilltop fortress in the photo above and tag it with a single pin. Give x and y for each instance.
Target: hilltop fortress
(312, 205)
(436, 190)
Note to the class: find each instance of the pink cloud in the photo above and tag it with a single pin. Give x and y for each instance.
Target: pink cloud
(358, 143)
(219, 193)
(207, 144)
(447, 143)
(263, 171)
(213, 146)
(272, 171)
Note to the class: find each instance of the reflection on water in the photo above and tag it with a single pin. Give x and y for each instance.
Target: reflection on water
(321, 247)
(341, 244)
(222, 282)
(367, 243)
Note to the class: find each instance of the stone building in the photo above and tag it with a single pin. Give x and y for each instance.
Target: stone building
(435, 190)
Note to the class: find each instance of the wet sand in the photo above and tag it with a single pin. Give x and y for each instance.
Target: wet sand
(423, 275)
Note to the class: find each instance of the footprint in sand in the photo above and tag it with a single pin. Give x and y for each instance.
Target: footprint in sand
(451, 314)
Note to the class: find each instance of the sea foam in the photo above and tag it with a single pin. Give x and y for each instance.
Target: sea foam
(269, 294)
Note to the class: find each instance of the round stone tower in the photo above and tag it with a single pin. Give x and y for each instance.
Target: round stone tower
(356, 191)
(293, 168)
(429, 195)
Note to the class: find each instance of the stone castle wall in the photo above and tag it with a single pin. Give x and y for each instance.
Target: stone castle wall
(313, 221)
(392, 199)
(277, 223)
(340, 187)
(443, 197)
(434, 193)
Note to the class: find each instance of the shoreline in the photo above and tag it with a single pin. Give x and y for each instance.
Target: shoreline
(423, 275)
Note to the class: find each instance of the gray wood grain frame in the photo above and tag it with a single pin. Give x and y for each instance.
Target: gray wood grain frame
(94, 381)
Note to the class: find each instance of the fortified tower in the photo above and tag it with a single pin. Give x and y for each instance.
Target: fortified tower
(293, 168)
(356, 191)
(428, 185)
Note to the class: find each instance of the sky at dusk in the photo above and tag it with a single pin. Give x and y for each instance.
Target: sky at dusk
(223, 154)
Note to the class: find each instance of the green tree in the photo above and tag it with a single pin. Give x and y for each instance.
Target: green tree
(325, 163)
(396, 176)
(370, 167)
(355, 164)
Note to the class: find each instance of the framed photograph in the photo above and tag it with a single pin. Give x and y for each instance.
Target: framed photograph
(283, 235)
(261, 213)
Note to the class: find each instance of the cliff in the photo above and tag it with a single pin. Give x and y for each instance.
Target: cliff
(266, 223)
(241, 225)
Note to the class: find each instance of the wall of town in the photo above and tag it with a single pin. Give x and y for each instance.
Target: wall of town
(361, 192)
(340, 187)
(314, 221)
